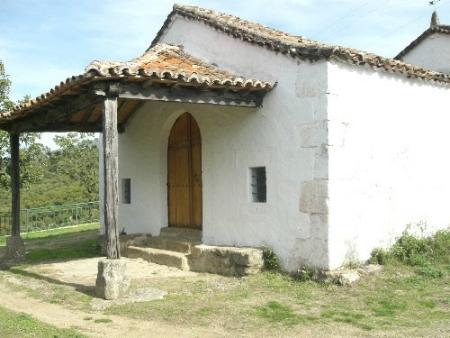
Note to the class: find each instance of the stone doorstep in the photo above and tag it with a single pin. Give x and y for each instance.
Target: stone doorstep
(158, 256)
(228, 261)
(183, 234)
(189, 255)
(170, 244)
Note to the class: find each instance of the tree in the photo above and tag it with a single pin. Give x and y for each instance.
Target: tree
(33, 156)
(78, 159)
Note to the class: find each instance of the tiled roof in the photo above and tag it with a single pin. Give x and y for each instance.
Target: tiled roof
(295, 46)
(161, 63)
(168, 62)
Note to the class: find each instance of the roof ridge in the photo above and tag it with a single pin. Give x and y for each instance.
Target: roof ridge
(295, 46)
(435, 27)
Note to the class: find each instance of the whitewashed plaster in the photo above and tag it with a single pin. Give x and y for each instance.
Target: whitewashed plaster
(286, 135)
(353, 155)
(432, 53)
(388, 159)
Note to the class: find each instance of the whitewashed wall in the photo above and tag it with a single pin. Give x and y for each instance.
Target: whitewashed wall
(388, 159)
(432, 53)
(286, 136)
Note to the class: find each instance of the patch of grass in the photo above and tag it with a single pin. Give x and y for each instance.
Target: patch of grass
(349, 317)
(428, 303)
(205, 311)
(14, 324)
(83, 249)
(103, 321)
(388, 307)
(54, 233)
(278, 313)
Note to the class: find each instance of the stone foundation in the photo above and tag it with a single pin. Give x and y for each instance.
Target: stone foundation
(112, 281)
(15, 248)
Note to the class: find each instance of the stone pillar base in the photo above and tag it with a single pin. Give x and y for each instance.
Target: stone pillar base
(112, 281)
(15, 248)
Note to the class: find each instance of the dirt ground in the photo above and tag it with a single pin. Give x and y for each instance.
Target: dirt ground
(94, 323)
(84, 271)
(194, 304)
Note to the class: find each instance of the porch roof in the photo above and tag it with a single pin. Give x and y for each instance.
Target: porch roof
(163, 73)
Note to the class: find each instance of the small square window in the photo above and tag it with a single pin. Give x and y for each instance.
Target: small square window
(258, 184)
(126, 190)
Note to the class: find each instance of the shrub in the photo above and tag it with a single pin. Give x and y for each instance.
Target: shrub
(425, 253)
(378, 256)
(430, 271)
(271, 261)
(411, 250)
(305, 274)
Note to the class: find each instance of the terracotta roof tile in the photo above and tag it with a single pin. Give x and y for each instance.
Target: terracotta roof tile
(162, 62)
(169, 62)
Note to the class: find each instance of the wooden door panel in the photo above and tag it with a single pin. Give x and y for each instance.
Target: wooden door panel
(179, 207)
(196, 185)
(185, 174)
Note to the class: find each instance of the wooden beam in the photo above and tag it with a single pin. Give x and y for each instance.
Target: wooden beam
(68, 127)
(111, 168)
(15, 185)
(41, 120)
(177, 93)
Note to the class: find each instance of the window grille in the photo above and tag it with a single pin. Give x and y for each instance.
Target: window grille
(126, 191)
(258, 184)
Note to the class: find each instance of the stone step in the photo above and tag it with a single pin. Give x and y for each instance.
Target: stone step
(170, 244)
(181, 234)
(158, 256)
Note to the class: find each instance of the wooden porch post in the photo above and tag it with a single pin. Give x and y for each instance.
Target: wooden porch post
(15, 185)
(112, 281)
(15, 249)
(111, 168)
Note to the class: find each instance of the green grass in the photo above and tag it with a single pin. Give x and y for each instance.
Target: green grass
(53, 233)
(14, 324)
(103, 321)
(402, 300)
(405, 299)
(71, 247)
(83, 249)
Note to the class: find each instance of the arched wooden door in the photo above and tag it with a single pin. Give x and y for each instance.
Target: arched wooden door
(184, 168)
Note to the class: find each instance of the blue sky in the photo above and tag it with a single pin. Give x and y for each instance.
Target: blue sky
(44, 41)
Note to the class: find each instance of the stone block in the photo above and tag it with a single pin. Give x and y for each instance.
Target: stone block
(15, 248)
(321, 162)
(339, 277)
(314, 197)
(313, 134)
(112, 280)
(228, 261)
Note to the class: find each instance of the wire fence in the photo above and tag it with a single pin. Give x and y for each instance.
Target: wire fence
(45, 218)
